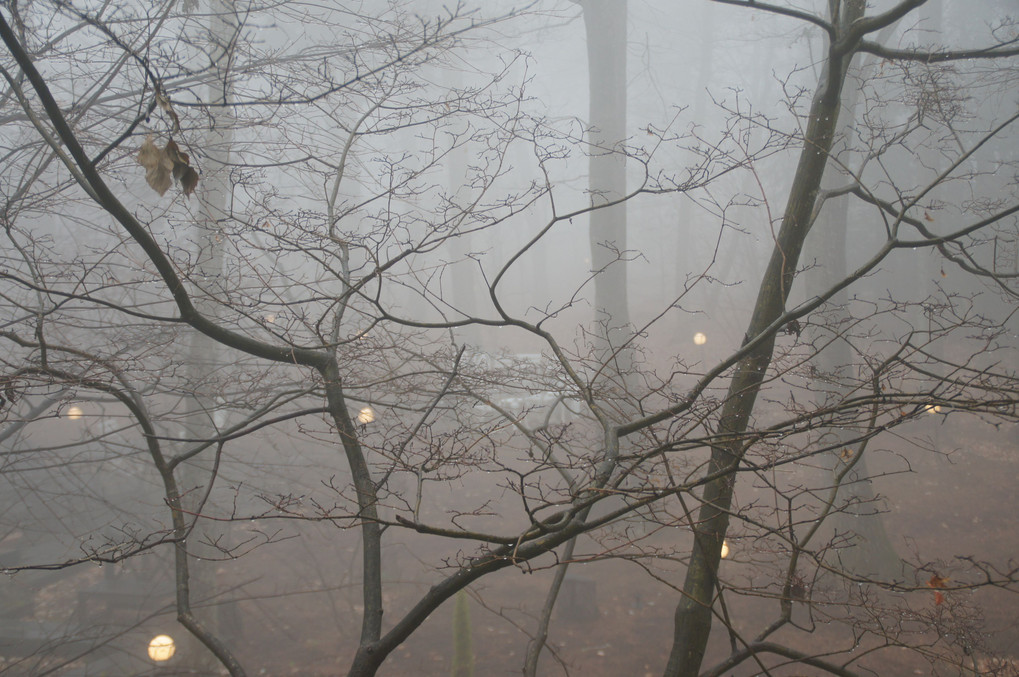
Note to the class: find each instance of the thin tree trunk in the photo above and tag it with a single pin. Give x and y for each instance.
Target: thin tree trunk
(537, 644)
(687, 253)
(605, 24)
(693, 613)
(195, 574)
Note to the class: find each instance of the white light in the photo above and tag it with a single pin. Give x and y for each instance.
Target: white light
(725, 549)
(161, 648)
(933, 408)
(700, 339)
(74, 413)
(366, 416)
(270, 318)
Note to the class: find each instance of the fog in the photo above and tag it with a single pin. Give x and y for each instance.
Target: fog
(603, 337)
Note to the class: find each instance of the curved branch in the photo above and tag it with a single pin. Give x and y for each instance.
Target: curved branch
(868, 24)
(783, 11)
(752, 650)
(940, 56)
(95, 184)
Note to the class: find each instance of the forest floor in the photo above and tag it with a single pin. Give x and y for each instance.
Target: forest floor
(615, 622)
(297, 608)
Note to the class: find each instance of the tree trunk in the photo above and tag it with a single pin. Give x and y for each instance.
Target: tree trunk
(204, 354)
(605, 24)
(693, 613)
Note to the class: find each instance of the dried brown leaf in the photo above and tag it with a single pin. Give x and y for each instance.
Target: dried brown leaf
(158, 167)
(163, 165)
(172, 151)
(188, 181)
(182, 170)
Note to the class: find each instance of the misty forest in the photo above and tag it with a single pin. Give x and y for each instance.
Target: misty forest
(552, 337)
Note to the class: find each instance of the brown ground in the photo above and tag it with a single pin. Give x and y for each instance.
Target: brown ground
(618, 622)
(962, 503)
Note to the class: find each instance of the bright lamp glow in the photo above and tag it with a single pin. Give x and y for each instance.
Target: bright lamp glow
(161, 648)
(366, 416)
(74, 413)
(699, 338)
(725, 549)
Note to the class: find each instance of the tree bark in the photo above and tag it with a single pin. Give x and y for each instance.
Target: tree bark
(693, 613)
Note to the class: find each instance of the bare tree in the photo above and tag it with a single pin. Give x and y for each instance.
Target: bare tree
(846, 32)
(343, 400)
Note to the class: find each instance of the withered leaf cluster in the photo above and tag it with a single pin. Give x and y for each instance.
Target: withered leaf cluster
(163, 165)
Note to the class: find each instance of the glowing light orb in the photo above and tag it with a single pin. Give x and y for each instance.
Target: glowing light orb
(366, 416)
(74, 413)
(725, 549)
(700, 339)
(933, 409)
(161, 648)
